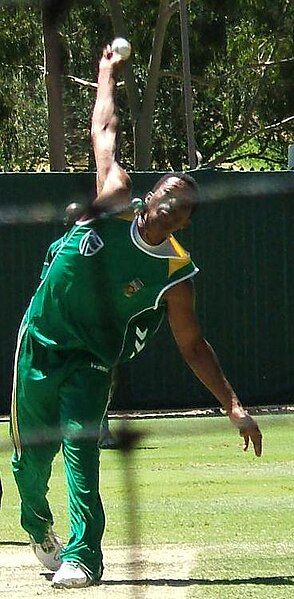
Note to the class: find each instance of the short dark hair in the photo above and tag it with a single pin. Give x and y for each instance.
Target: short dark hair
(72, 212)
(190, 183)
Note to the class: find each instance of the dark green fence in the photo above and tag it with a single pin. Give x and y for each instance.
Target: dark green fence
(241, 239)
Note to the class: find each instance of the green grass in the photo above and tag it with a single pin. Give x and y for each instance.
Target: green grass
(195, 486)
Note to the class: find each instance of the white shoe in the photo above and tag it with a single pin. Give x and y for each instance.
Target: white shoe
(71, 575)
(48, 551)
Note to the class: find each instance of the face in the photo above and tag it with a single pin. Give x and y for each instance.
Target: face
(168, 206)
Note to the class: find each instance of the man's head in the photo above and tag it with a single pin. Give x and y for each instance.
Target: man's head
(171, 202)
(72, 213)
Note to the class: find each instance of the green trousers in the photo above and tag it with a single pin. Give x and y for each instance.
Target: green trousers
(59, 400)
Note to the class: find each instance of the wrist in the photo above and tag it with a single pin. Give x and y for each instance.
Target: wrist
(236, 410)
(105, 65)
(106, 71)
(239, 417)
(105, 75)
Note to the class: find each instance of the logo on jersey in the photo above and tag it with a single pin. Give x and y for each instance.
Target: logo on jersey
(140, 341)
(90, 244)
(132, 287)
(99, 367)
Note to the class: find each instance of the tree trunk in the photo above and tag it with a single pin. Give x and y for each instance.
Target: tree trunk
(142, 113)
(144, 122)
(53, 81)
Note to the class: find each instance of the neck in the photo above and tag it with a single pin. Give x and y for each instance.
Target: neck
(150, 234)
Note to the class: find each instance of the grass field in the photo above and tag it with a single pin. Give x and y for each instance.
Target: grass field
(228, 517)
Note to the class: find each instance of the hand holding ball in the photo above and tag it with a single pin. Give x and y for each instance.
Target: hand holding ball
(121, 47)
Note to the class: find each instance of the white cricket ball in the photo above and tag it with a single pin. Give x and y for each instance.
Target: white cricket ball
(121, 47)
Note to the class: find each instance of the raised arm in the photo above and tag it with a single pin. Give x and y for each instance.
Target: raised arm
(113, 183)
(202, 359)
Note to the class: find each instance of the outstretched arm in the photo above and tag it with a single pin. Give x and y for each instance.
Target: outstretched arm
(202, 359)
(112, 180)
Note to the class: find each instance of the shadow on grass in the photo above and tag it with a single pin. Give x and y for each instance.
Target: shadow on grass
(133, 448)
(180, 582)
(15, 543)
(189, 582)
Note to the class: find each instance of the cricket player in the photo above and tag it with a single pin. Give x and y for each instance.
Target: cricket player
(72, 212)
(103, 296)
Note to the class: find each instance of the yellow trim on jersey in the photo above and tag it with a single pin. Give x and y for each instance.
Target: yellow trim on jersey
(128, 216)
(14, 423)
(175, 264)
(179, 250)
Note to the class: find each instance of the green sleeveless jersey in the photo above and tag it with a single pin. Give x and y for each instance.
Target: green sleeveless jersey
(102, 292)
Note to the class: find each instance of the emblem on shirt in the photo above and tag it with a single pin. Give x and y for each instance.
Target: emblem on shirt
(90, 243)
(132, 287)
(140, 341)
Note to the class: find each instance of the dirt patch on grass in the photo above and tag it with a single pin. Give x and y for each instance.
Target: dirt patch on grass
(158, 572)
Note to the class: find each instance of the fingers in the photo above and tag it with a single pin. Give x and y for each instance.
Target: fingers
(257, 442)
(107, 52)
(246, 442)
(113, 57)
(255, 436)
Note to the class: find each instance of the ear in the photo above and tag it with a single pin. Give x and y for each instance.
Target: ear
(148, 196)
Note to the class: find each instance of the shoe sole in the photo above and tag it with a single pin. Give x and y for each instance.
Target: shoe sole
(72, 584)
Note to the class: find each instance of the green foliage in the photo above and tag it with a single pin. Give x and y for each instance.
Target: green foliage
(22, 97)
(236, 95)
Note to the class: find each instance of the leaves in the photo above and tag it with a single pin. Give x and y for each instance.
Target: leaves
(241, 81)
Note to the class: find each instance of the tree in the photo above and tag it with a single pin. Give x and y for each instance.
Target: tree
(234, 75)
(22, 99)
(142, 109)
(51, 16)
(258, 41)
(242, 73)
